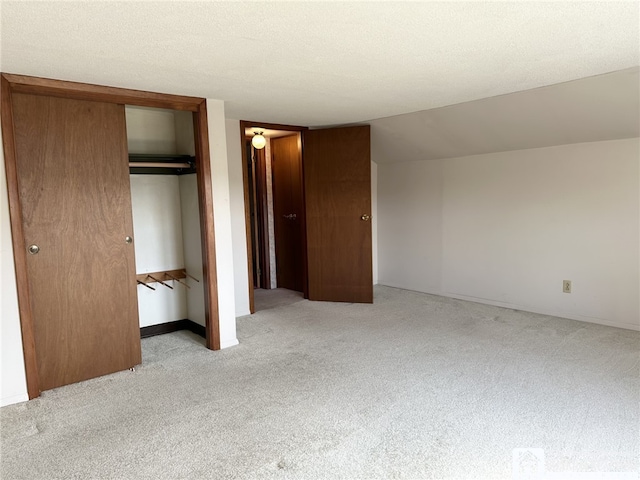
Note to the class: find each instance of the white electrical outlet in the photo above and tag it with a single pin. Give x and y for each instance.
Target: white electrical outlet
(566, 286)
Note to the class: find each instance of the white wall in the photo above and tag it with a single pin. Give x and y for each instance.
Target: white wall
(150, 130)
(238, 231)
(13, 385)
(157, 228)
(192, 241)
(508, 228)
(374, 220)
(155, 202)
(185, 139)
(222, 222)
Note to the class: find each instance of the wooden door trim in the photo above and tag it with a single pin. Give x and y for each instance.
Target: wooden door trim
(18, 243)
(205, 200)
(244, 124)
(99, 93)
(11, 83)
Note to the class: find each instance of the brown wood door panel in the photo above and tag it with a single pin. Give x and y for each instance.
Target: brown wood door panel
(288, 211)
(337, 174)
(73, 182)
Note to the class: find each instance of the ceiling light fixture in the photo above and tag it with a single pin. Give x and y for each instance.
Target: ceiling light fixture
(258, 141)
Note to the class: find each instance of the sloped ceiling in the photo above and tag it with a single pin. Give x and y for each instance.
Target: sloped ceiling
(604, 107)
(322, 63)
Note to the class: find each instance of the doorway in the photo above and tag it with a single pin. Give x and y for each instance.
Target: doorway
(337, 233)
(274, 197)
(166, 224)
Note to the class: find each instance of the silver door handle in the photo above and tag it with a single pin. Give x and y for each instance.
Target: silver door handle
(291, 216)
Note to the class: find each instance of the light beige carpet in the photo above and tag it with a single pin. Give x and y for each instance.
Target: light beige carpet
(275, 297)
(414, 386)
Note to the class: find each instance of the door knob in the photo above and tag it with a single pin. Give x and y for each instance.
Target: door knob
(128, 240)
(33, 249)
(365, 217)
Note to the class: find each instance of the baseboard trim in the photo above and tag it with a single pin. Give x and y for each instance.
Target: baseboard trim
(524, 308)
(13, 399)
(169, 327)
(229, 343)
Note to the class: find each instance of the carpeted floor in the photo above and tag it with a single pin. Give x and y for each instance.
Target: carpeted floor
(273, 298)
(413, 387)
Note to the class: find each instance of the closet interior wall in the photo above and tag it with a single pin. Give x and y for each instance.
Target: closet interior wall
(166, 219)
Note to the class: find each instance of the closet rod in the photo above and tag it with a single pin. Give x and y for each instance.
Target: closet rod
(159, 165)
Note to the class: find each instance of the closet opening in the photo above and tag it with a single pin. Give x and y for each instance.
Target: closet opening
(75, 136)
(274, 199)
(166, 222)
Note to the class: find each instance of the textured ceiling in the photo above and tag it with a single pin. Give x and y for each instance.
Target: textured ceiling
(312, 63)
(603, 107)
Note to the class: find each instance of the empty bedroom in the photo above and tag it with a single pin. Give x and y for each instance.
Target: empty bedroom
(320, 240)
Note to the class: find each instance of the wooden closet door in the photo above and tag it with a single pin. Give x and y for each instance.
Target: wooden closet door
(73, 181)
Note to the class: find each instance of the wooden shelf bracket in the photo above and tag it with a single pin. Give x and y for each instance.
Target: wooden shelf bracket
(163, 277)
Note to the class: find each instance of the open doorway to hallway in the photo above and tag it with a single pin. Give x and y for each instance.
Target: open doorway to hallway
(276, 215)
(334, 168)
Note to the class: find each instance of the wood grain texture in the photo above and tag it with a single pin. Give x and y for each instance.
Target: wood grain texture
(73, 181)
(205, 198)
(262, 213)
(288, 211)
(337, 171)
(85, 91)
(20, 254)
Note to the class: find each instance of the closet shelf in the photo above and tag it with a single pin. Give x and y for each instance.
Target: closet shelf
(161, 164)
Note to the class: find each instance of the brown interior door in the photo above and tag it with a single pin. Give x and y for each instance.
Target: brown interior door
(73, 181)
(288, 211)
(337, 174)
